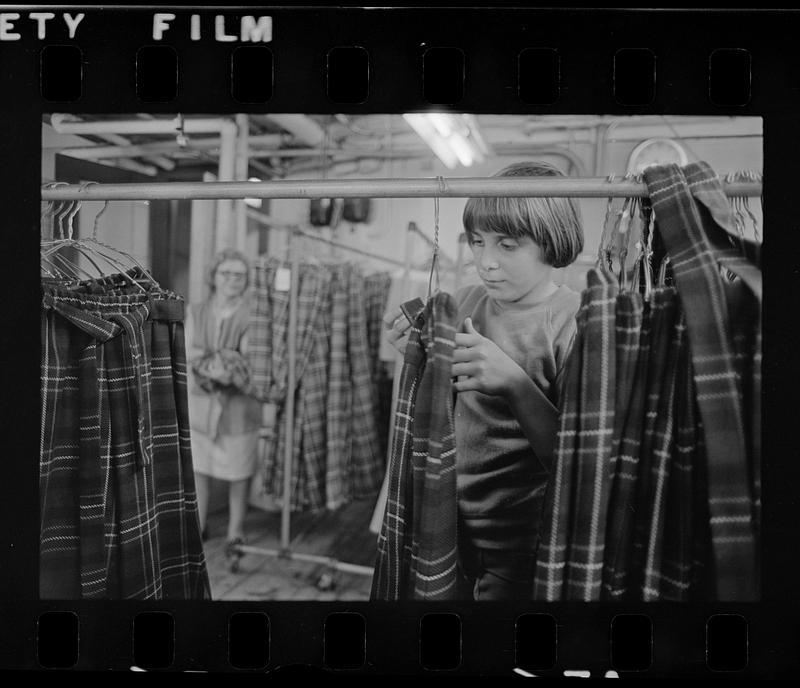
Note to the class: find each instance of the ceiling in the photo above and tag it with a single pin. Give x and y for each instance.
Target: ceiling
(283, 145)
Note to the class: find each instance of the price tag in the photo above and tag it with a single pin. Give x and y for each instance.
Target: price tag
(283, 279)
(268, 413)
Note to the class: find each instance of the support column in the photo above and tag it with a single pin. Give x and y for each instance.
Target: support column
(242, 168)
(202, 243)
(225, 227)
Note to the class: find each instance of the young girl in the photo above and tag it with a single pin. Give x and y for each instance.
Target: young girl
(518, 327)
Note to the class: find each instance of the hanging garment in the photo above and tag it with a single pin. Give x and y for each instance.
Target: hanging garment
(334, 443)
(572, 537)
(269, 359)
(687, 203)
(633, 350)
(681, 518)
(376, 295)
(338, 487)
(417, 545)
(367, 462)
(118, 505)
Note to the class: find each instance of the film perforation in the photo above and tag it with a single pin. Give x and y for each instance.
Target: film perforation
(332, 153)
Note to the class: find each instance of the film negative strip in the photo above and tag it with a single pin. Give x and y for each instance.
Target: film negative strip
(158, 98)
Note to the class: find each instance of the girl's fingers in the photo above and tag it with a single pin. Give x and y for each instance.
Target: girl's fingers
(465, 385)
(461, 369)
(467, 340)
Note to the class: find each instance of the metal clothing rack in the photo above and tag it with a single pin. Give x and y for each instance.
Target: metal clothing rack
(266, 220)
(571, 187)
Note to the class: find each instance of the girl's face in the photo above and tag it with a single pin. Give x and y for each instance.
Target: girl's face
(511, 268)
(230, 278)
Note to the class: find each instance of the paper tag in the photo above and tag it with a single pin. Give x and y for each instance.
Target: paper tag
(283, 279)
(268, 413)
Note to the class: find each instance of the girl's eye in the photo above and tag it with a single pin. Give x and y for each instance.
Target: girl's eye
(509, 247)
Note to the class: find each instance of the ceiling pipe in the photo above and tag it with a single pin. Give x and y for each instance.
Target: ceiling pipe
(158, 160)
(64, 125)
(302, 127)
(122, 163)
(92, 152)
(574, 161)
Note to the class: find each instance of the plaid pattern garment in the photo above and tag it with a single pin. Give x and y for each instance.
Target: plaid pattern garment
(117, 499)
(417, 545)
(633, 348)
(376, 294)
(335, 449)
(695, 257)
(368, 463)
(338, 488)
(572, 539)
(269, 360)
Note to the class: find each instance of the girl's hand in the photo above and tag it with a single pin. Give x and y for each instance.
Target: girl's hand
(397, 327)
(481, 365)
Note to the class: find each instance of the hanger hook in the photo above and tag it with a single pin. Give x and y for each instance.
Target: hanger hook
(50, 209)
(73, 212)
(96, 217)
(60, 215)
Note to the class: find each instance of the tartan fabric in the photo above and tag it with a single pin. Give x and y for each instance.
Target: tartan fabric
(340, 395)
(417, 545)
(572, 539)
(313, 397)
(269, 360)
(367, 462)
(117, 500)
(686, 544)
(697, 275)
(656, 466)
(376, 294)
(633, 343)
(335, 448)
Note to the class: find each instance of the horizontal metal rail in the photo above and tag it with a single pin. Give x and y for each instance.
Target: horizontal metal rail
(571, 187)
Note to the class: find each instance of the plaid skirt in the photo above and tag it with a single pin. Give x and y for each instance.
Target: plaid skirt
(118, 506)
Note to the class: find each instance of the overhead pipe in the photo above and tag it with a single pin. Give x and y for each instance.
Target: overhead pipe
(133, 166)
(142, 149)
(452, 187)
(63, 125)
(302, 127)
(574, 162)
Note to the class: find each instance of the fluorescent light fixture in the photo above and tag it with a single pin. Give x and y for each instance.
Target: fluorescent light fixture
(427, 132)
(453, 138)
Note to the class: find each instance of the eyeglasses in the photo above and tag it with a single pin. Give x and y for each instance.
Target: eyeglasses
(232, 275)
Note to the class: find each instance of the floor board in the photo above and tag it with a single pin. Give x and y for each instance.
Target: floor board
(343, 535)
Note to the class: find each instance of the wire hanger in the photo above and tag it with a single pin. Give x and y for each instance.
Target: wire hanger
(611, 229)
(750, 175)
(90, 248)
(93, 242)
(435, 259)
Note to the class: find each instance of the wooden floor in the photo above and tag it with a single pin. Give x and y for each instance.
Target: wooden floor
(342, 534)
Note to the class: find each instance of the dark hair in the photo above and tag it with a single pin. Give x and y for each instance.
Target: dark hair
(221, 257)
(553, 223)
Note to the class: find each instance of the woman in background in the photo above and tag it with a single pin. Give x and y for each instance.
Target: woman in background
(224, 418)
